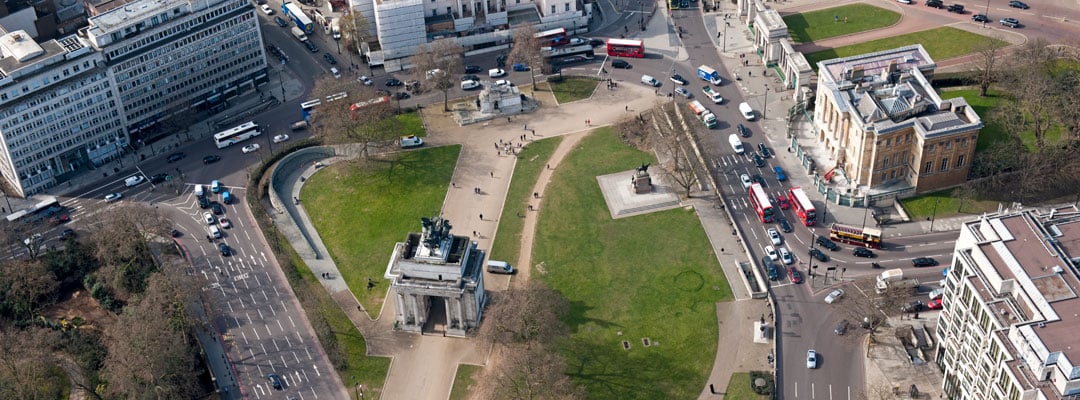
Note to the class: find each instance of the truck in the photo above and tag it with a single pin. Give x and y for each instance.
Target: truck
(886, 277)
(712, 95)
(296, 14)
(703, 114)
(736, 143)
(709, 74)
(298, 34)
(335, 29)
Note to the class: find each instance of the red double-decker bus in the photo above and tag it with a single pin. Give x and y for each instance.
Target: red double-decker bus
(626, 48)
(865, 237)
(802, 206)
(761, 203)
(553, 37)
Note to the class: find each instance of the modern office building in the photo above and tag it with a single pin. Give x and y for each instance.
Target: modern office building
(1012, 309)
(171, 56)
(884, 125)
(60, 113)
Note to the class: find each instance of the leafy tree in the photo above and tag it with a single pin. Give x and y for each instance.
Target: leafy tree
(71, 264)
(445, 55)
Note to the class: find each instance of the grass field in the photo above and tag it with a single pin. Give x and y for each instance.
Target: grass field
(822, 24)
(994, 132)
(649, 276)
(412, 124)
(361, 211)
(944, 204)
(463, 379)
(531, 161)
(573, 88)
(942, 44)
(739, 388)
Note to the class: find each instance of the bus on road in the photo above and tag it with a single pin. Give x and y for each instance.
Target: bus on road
(297, 16)
(626, 48)
(235, 135)
(553, 37)
(802, 206)
(864, 237)
(761, 203)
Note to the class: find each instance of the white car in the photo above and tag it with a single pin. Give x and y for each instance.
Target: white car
(365, 80)
(774, 235)
(574, 41)
(225, 223)
(266, 9)
(250, 148)
(785, 256)
(411, 141)
(470, 85)
(771, 252)
(811, 359)
(209, 218)
(111, 197)
(496, 72)
(503, 82)
(745, 181)
(133, 180)
(834, 296)
(335, 72)
(433, 73)
(280, 138)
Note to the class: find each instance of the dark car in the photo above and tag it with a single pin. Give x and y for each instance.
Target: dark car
(980, 18)
(158, 178)
(60, 219)
(176, 157)
(912, 307)
(1018, 4)
(826, 243)
(771, 268)
(204, 203)
(678, 79)
(225, 251)
(863, 252)
(785, 225)
(764, 150)
(596, 42)
(311, 46)
(744, 131)
(329, 58)
(217, 207)
(275, 381)
(67, 233)
(841, 328)
(814, 252)
(794, 275)
(758, 179)
(470, 78)
(175, 233)
(500, 61)
(1010, 22)
(281, 22)
(472, 69)
(393, 82)
(956, 8)
(401, 95)
(519, 67)
(211, 159)
(923, 262)
(620, 64)
(758, 161)
(935, 3)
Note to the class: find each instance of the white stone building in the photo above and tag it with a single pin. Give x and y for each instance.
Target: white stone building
(1012, 310)
(60, 113)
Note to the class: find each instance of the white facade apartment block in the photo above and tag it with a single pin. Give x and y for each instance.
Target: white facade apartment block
(170, 55)
(400, 26)
(1011, 317)
(59, 111)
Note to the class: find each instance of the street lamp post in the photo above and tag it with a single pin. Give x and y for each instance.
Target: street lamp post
(281, 80)
(765, 106)
(933, 215)
(725, 37)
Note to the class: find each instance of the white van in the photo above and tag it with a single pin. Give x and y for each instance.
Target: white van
(747, 111)
(648, 80)
(499, 267)
(736, 143)
(199, 190)
(411, 141)
(214, 231)
(299, 125)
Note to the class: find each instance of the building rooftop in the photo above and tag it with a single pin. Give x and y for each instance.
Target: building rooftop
(18, 51)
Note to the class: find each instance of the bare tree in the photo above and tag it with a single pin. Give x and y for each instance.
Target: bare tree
(526, 50)
(121, 238)
(985, 67)
(669, 138)
(444, 55)
(28, 368)
(354, 31)
(1032, 107)
(363, 117)
(866, 307)
(27, 287)
(523, 315)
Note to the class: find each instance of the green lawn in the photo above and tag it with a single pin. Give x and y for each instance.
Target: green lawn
(649, 276)
(463, 380)
(360, 212)
(573, 88)
(943, 204)
(994, 132)
(822, 24)
(739, 388)
(411, 124)
(942, 44)
(531, 161)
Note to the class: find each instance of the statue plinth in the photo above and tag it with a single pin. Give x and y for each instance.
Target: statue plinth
(641, 181)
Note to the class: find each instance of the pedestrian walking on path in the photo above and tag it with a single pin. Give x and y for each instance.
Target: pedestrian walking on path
(481, 217)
